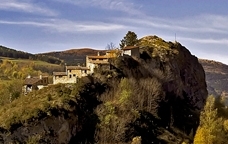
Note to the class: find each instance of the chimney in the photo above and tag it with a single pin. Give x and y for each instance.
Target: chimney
(98, 53)
(40, 76)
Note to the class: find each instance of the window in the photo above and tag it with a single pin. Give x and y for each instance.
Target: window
(70, 71)
(69, 76)
(74, 75)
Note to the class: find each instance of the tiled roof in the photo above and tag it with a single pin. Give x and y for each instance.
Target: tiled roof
(31, 81)
(59, 73)
(76, 68)
(100, 62)
(100, 57)
(130, 47)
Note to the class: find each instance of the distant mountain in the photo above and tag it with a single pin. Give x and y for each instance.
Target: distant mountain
(74, 56)
(12, 53)
(216, 76)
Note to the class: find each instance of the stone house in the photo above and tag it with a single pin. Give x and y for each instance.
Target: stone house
(71, 74)
(131, 51)
(34, 83)
(97, 61)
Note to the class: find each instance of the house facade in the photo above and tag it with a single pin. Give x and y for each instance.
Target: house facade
(34, 83)
(97, 61)
(131, 51)
(71, 74)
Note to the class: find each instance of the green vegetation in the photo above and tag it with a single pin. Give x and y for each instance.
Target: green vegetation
(20, 68)
(11, 53)
(10, 90)
(129, 40)
(213, 123)
(75, 56)
(36, 104)
(140, 101)
(14, 71)
(159, 48)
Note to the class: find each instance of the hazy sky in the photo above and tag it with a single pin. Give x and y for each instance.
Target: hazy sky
(37, 26)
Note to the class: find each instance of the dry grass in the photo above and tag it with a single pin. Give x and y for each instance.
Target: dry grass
(160, 47)
(27, 61)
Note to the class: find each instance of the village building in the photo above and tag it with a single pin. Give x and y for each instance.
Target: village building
(131, 51)
(34, 83)
(99, 61)
(71, 74)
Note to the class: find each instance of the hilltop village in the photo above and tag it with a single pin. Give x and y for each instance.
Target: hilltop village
(73, 73)
(150, 93)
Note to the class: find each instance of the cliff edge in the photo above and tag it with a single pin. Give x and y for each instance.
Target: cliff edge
(155, 98)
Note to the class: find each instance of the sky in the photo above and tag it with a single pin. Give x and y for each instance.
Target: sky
(38, 26)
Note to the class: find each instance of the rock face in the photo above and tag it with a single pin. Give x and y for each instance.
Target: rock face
(157, 98)
(187, 74)
(48, 130)
(216, 77)
(167, 89)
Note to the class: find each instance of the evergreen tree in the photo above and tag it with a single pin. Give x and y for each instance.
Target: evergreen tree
(210, 130)
(129, 40)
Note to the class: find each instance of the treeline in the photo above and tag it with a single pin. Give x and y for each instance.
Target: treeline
(69, 58)
(11, 53)
(49, 59)
(75, 56)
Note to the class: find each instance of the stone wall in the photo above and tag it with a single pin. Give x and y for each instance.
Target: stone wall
(64, 79)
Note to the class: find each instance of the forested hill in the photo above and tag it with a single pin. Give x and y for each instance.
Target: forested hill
(216, 76)
(12, 53)
(74, 56)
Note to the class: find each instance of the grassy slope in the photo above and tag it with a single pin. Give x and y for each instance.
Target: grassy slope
(36, 65)
(35, 104)
(27, 61)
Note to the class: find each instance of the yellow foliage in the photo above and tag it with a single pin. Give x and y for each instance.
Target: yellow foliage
(203, 137)
(210, 130)
(225, 125)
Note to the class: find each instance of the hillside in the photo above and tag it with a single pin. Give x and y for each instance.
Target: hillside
(13, 72)
(20, 68)
(156, 97)
(74, 56)
(216, 72)
(12, 53)
(216, 76)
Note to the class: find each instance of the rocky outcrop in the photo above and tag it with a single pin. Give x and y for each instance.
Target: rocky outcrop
(48, 130)
(156, 98)
(183, 92)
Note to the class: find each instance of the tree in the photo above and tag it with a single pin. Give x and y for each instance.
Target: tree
(210, 130)
(110, 46)
(129, 40)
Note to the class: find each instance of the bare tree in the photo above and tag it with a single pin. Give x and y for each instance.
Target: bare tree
(110, 46)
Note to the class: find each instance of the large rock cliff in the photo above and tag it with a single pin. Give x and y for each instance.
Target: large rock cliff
(156, 97)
